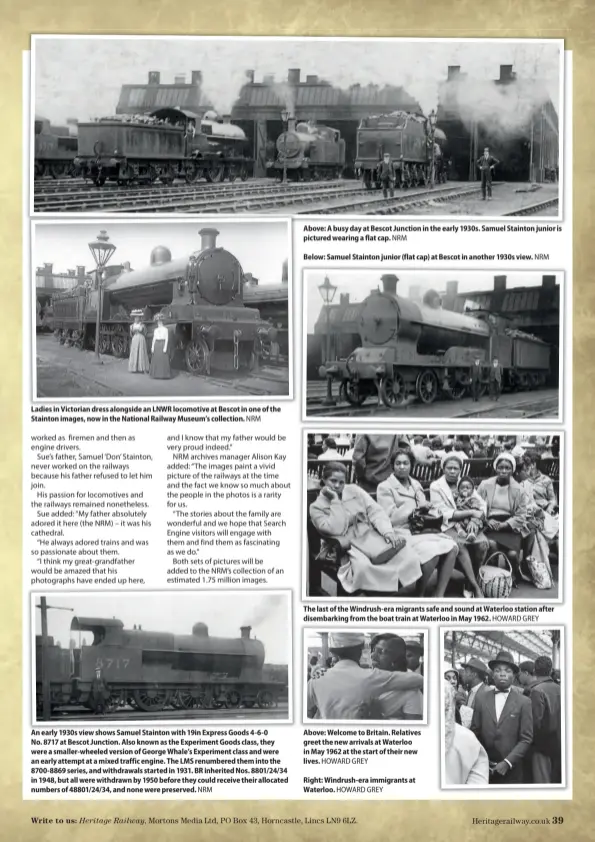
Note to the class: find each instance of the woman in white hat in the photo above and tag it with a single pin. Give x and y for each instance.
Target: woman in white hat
(138, 361)
(347, 691)
(160, 368)
(444, 498)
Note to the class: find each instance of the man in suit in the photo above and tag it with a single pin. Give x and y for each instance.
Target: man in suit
(495, 379)
(475, 673)
(503, 723)
(546, 760)
(486, 166)
(476, 376)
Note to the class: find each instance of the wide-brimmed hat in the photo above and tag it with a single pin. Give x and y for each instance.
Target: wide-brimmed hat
(476, 664)
(135, 313)
(506, 659)
(343, 640)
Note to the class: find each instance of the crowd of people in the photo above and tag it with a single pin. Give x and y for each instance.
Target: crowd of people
(503, 722)
(388, 534)
(390, 688)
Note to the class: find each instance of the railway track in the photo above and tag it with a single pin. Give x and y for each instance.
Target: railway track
(402, 203)
(537, 207)
(130, 715)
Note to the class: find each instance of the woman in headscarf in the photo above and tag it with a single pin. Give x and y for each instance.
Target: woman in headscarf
(444, 498)
(506, 507)
(361, 534)
(160, 368)
(400, 496)
(465, 759)
(138, 361)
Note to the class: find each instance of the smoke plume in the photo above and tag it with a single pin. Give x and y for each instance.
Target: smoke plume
(267, 606)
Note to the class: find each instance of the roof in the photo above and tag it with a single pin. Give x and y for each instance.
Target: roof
(324, 95)
(485, 644)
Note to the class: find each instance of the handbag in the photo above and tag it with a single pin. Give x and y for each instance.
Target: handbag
(372, 544)
(495, 582)
(423, 520)
(539, 564)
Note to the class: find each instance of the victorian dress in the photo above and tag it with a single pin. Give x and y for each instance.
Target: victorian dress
(138, 361)
(160, 369)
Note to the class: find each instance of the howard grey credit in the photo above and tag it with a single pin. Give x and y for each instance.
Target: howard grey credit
(458, 344)
(310, 125)
(186, 310)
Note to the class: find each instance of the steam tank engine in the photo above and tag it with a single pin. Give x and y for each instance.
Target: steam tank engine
(409, 348)
(152, 670)
(200, 299)
(407, 138)
(307, 150)
(167, 144)
(55, 150)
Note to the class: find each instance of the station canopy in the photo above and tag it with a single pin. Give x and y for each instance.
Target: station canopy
(523, 645)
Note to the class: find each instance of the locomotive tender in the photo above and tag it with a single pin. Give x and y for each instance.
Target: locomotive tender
(309, 151)
(167, 144)
(407, 138)
(152, 670)
(409, 348)
(200, 298)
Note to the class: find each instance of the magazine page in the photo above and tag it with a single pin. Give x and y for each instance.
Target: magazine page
(297, 414)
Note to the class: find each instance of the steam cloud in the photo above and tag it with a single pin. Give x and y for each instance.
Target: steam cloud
(259, 613)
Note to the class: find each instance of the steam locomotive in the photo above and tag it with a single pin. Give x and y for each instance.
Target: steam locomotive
(408, 138)
(166, 144)
(199, 297)
(420, 349)
(309, 151)
(152, 670)
(55, 149)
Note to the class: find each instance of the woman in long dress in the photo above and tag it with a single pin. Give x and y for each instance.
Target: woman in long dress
(400, 495)
(138, 361)
(160, 368)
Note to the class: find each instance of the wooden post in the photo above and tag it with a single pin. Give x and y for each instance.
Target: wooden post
(45, 679)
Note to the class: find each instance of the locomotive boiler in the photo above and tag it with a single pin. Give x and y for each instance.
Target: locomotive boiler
(419, 349)
(309, 151)
(169, 143)
(199, 297)
(409, 140)
(150, 670)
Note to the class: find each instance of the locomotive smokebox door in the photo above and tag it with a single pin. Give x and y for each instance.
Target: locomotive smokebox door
(379, 319)
(219, 276)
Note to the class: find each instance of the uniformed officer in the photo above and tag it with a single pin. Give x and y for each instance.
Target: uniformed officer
(387, 175)
(486, 166)
(348, 691)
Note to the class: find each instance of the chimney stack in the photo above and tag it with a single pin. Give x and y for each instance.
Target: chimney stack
(454, 71)
(196, 77)
(285, 272)
(208, 238)
(548, 281)
(250, 77)
(506, 74)
(499, 283)
(344, 299)
(389, 284)
(80, 271)
(245, 632)
(293, 76)
(154, 77)
(48, 268)
(180, 79)
(311, 80)
(268, 79)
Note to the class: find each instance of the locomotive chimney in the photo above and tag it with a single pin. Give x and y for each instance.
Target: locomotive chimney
(208, 238)
(196, 77)
(154, 77)
(245, 632)
(452, 288)
(226, 118)
(389, 284)
(293, 76)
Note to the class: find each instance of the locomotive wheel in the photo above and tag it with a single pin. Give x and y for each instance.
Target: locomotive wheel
(249, 703)
(392, 390)
(151, 174)
(215, 174)
(186, 700)
(351, 393)
(232, 174)
(265, 699)
(197, 356)
(456, 391)
(151, 698)
(39, 170)
(167, 177)
(233, 699)
(191, 173)
(427, 386)
(243, 174)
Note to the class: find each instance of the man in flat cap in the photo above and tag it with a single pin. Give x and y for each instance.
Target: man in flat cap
(503, 723)
(348, 691)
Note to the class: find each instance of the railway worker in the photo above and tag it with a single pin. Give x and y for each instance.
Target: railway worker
(387, 175)
(348, 691)
(476, 376)
(99, 693)
(486, 166)
(495, 379)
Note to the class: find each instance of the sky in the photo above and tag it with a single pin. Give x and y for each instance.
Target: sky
(360, 283)
(81, 77)
(261, 247)
(223, 613)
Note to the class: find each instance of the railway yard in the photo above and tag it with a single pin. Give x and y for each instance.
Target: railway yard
(69, 372)
(272, 197)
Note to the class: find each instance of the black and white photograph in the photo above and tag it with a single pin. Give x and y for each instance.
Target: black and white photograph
(170, 656)
(433, 516)
(420, 127)
(432, 344)
(503, 719)
(183, 310)
(367, 675)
